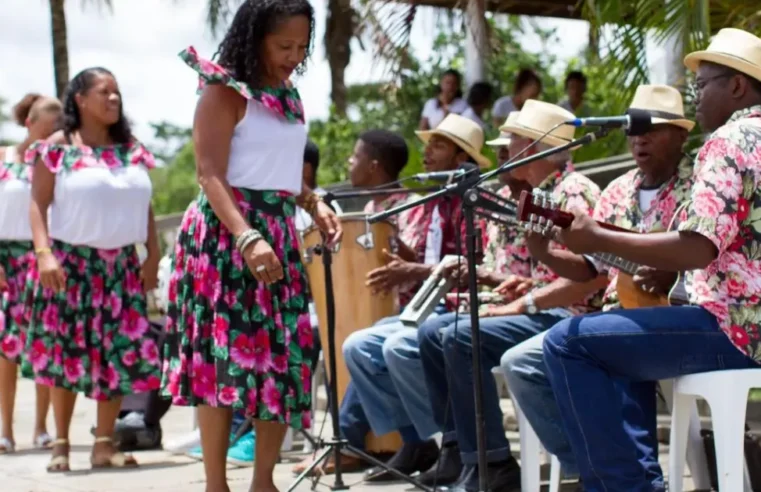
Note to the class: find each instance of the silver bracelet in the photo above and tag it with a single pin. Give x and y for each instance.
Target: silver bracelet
(246, 239)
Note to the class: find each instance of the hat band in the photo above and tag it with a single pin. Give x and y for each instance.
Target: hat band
(663, 114)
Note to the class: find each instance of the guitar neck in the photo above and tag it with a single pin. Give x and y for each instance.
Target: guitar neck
(613, 261)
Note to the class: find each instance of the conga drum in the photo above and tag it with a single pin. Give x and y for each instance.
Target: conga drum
(360, 251)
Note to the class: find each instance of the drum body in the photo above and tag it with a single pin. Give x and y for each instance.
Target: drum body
(360, 251)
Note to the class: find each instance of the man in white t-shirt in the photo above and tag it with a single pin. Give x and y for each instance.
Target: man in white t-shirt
(528, 85)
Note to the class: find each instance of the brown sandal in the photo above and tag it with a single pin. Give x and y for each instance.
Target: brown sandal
(116, 460)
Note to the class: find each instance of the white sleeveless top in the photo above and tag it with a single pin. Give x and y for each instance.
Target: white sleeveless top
(266, 152)
(15, 198)
(101, 197)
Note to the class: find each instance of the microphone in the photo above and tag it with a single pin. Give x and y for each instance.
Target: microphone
(447, 176)
(634, 122)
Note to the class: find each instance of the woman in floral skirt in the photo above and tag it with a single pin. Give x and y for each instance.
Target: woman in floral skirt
(238, 334)
(41, 116)
(89, 332)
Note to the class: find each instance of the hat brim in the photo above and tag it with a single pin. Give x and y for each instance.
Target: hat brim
(548, 139)
(482, 161)
(682, 123)
(499, 142)
(692, 61)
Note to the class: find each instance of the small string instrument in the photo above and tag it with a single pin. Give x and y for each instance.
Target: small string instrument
(540, 212)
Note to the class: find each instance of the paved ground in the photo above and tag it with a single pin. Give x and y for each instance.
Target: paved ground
(159, 471)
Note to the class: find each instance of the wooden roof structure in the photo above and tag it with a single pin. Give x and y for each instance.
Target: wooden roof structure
(565, 9)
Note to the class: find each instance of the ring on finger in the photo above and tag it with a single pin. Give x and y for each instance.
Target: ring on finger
(261, 268)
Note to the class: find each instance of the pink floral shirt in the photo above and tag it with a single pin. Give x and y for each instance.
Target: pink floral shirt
(725, 207)
(619, 205)
(409, 233)
(506, 250)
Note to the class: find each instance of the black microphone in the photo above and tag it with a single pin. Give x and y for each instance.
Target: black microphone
(447, 176)
(635, 122)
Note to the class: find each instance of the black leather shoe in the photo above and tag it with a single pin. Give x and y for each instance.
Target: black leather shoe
(411, 458)
(503, 476)
(446, 470)
(461, 482)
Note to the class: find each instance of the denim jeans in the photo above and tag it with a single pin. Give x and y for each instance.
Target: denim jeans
(364, 352)
(584, 357)
(497, 335)
(526, 374)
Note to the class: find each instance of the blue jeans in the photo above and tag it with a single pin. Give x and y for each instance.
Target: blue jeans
(364, 352)
(497, 336)
(584, 357)
(526, 374)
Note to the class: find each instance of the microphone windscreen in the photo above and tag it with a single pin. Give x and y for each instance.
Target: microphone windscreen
(640, 122)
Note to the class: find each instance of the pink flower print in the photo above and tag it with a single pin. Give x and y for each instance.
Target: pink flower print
(264, 299)
(97, 287)
(278, 236)
(5, 174)
(271, 102)
(112, 377)
(149, 351)
(209, 67)
(129, 358)
(146, 385)
(306, 378)
(132, 284)
(224, 242)
(706, 204)
(228, 396)
(306, 420)
(95, 363)
(109, 255)
(739, 336)
(285, 293)
(110, 159)
(204, 381)
(11, 346)
(220, 331)
(115, 304)
(304, 331)
(79, 334)
(50, 318)
(231, 298)
(237, 260)
(134, 325)
(280, 364)
(52, 158)
(252, 352)
(141, 155)
(293, 274)
(73, 369)
(271, 397)
(39, 355)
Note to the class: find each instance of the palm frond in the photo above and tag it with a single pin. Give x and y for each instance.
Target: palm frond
(98, 4)
(218, 12)
(386, 26)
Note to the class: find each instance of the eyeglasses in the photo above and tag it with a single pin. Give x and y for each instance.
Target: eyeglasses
(697, 87)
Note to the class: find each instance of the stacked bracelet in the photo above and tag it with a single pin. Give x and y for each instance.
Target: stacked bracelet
(246, 239)
(310, 203)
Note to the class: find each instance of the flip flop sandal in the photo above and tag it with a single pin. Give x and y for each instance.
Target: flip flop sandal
(43, 441)
(116, 460)
(59, 464)
(7, 446)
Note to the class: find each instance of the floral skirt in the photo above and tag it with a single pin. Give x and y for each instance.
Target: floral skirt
(231, 341)
(93, 338)
(16, 257)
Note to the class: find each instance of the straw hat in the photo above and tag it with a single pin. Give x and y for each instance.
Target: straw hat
(466, 133)
(733, 48)
(664, 103)
(537, 118)
(504, 137)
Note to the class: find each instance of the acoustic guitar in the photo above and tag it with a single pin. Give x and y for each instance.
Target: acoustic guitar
(540, 212)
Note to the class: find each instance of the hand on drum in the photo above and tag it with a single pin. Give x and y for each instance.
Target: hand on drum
(328, 222)
(263, 263)
(385, 278)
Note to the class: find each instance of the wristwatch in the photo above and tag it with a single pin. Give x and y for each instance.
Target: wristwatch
(528, 300)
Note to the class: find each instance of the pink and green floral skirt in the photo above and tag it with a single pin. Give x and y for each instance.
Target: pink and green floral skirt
(93, 338)
(231, 341)
(16, 257)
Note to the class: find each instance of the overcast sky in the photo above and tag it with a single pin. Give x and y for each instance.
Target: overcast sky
(139, 43)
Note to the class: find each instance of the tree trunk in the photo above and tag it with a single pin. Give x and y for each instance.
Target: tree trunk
(60, 45)
(338, 34)
(476, 42)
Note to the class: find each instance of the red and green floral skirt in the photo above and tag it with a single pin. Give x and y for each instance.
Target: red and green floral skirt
(16, 257)
(93, 338)
(232, 341)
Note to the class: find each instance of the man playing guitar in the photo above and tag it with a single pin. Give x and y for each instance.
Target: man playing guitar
(645, 200)
(717, 244)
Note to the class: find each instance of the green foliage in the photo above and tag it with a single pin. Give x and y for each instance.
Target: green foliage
(4, 118)
(397, 106)
(175, 185)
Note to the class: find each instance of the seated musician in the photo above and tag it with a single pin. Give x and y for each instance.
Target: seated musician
(445, 342)
(716, 244)
(379, 156)
(455, 141)
(644, 199)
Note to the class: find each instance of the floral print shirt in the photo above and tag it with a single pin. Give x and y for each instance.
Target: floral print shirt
(619, 205)
(506, 250)
(725, 207)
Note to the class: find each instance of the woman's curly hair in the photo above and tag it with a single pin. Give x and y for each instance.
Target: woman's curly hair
(240, 52)
(120, 132)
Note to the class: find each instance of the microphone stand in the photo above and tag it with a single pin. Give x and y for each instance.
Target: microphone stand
(337, 443)
(468, 190)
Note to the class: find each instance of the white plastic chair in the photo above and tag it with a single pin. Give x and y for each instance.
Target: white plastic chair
(727, 394)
